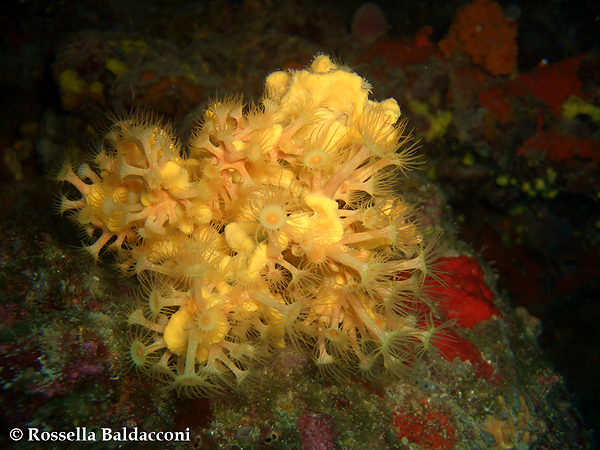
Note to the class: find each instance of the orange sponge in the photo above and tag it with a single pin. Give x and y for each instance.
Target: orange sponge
(482, 31)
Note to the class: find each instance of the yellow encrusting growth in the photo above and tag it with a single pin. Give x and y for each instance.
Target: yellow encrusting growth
(281, 226)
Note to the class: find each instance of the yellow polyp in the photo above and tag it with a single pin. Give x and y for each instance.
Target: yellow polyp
(222, 288)
(330, 139)
(276, 84)
(240, 236)
(278, 337)
(238, 265)
(257, 261)
(171, 171)
(337, 136)
(213, 299)
(287, 146)
(96, 196)
(246, 304)
(212, 327)
(120, 194)
(184, 223)
(327, 298)
(254, 151)
(115, 222)
(272, 217)
(176, 332)
(149, 198)
(321, 205)
(199, 213)
(282, 178)
(201, 354)
(173, 176)
(210, 116)
(323, 64)
(185, 226)
(391, 109)
(316, 159)
(270, 136)
(160, 249)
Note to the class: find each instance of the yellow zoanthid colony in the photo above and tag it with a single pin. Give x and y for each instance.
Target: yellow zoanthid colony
(280, 227)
